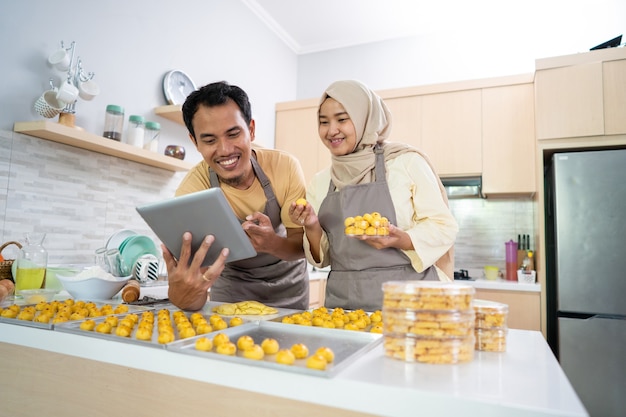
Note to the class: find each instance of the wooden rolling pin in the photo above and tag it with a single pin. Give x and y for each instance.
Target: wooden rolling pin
(131, 291)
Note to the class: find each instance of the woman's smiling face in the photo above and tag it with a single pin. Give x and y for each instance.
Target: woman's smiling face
(336, 128)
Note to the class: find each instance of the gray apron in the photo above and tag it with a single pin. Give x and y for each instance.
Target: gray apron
(264, 277)
(357, 269)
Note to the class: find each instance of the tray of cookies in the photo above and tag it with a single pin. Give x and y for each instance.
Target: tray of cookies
(48, 314)
(155, 328)
(302, 349)
(336, 318)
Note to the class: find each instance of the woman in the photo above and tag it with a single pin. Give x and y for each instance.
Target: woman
(369, 174)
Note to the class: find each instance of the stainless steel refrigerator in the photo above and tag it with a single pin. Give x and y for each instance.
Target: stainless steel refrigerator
(586, 274)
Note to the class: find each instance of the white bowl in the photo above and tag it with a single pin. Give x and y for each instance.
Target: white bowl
(92, 288)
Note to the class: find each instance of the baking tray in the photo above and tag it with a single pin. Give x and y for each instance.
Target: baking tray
(74, 327)
(347, 345)
(367, 328)
(208, 310)
(51, 326)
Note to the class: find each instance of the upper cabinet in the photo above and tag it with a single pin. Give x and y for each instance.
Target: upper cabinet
(450, 126)
(581, 95)
(509, 146)
(480, 127)
(296, 133)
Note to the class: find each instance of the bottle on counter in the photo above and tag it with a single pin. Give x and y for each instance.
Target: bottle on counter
(113, 122)
(135, 131)
(151, 138)
(32, 262)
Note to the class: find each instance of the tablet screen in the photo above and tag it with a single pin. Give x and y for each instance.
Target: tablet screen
(202, 213)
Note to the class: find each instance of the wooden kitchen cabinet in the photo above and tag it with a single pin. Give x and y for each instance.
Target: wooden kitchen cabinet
(569, 101)
(524, 306)
(406, 113)
(451, 132)
(581, 95)
(317, 292)
(508, 140)
(296, 133)
(614, 91)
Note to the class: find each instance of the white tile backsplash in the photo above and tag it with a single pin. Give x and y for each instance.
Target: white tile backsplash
(80, 198)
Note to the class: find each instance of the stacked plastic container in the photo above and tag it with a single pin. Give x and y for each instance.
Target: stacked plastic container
(491, 325)
(428, 321)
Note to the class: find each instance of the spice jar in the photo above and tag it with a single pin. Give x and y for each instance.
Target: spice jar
(151, 138)
(135, 131)
(113, 122)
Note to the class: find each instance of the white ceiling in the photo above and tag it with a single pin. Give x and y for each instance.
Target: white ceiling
(308, 26)
(318, 25)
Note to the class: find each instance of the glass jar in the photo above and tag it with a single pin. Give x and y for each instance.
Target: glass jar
(32, 262)
(113, 122)
(135, 131)
(151, 138)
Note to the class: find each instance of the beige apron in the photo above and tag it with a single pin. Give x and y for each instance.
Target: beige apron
(358, 270)
(264, 278)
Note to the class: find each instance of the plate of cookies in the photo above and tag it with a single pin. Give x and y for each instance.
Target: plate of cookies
(368, 224)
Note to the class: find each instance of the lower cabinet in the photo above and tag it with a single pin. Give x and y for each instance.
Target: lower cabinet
(524, 306)
(317, 290)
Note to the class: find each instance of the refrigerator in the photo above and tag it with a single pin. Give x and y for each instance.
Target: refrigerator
(585, 208)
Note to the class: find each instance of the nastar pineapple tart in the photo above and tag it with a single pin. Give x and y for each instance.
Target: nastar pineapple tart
(369, 224)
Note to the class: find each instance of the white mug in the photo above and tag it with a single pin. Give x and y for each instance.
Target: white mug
(146, 269)
(48, 105)
(87, 90)
(67, 92)
(60, 59)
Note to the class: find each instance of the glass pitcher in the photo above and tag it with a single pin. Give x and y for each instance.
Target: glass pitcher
(31, 263)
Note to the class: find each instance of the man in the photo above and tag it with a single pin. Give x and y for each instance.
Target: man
(260, 185)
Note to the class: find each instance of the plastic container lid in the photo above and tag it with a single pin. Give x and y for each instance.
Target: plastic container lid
(112, 108)
(136, 119)
(153, 125)
(426, 287)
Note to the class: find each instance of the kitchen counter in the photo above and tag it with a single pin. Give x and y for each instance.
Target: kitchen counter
(46, 372)
(503, 285)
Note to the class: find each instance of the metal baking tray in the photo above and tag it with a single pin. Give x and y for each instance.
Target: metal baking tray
(74, 327)
(347, 345)
(51, 326)
(208, 310)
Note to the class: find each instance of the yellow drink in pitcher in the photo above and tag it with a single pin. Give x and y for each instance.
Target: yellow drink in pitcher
(29, 278)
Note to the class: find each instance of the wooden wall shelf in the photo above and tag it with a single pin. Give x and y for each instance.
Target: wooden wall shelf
(72, 136)
(171, 112)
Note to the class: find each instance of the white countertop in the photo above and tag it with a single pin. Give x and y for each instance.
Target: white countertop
(524, 381)
(501, 285)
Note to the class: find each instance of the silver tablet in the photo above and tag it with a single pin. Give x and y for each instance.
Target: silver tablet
(202, 213)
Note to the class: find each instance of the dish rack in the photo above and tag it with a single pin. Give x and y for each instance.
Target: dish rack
(5, 265)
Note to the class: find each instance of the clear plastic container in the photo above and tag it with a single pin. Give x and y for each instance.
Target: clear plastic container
(135, 131)
(427, 295)
(490, 314)
(491, 340)
(433, 350)
(113, 122)
(429, 323)
(151, 137)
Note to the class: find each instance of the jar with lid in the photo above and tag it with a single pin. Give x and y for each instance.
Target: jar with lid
(113, 122)
(135, 131)
(32, 262)
(151, 138)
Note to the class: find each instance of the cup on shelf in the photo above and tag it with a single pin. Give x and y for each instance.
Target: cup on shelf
(87, 90)
(67, 92)
(48, 105)
(175, 151)
(60, 59)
